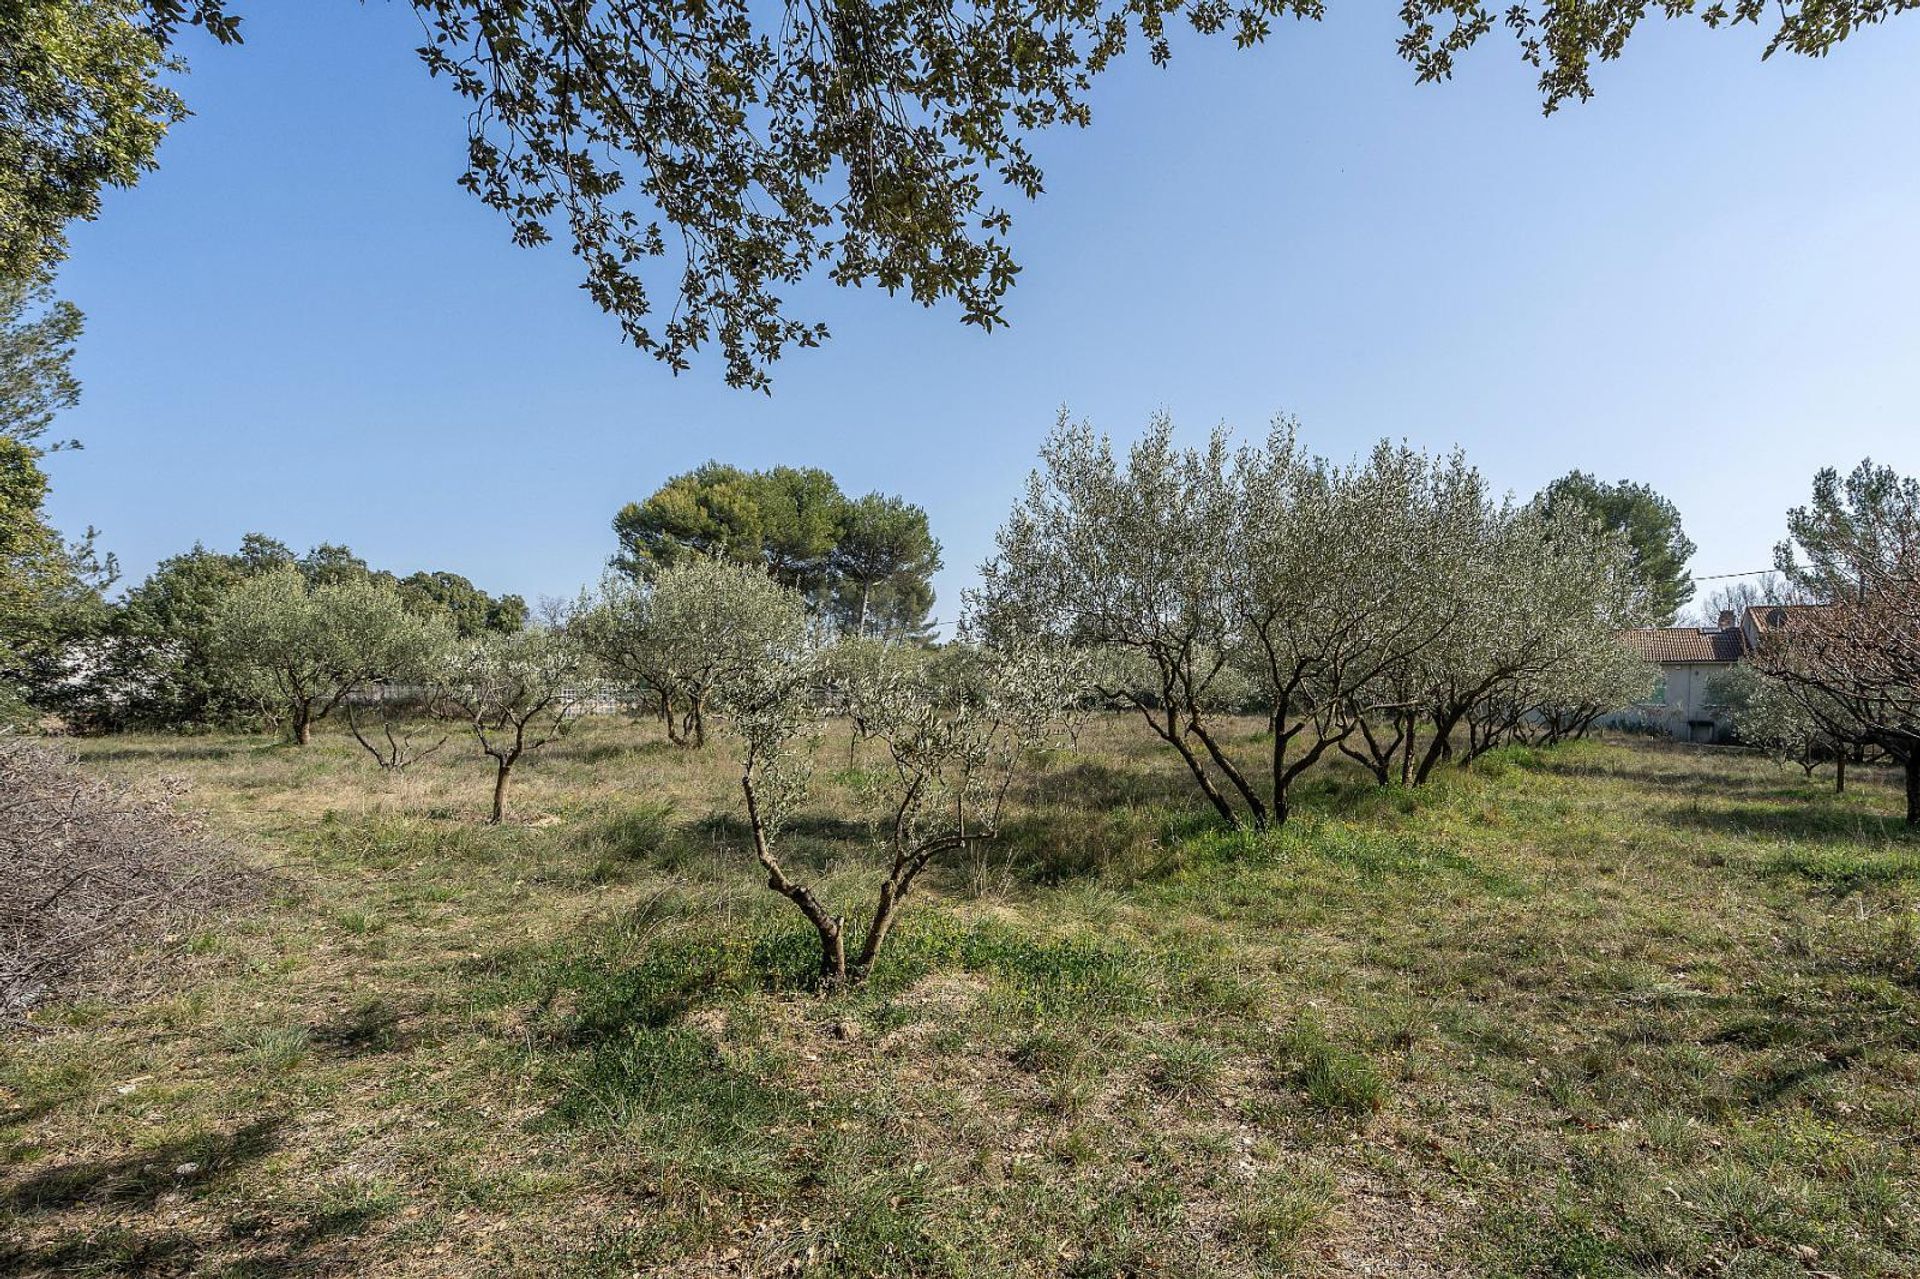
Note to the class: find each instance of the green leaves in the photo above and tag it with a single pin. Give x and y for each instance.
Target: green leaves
(37, 335)
(1651, 524)
(1332, 596)
(299, 649)
(83, 108)
(867, 561)
(46, 591)
(700, 159)
(869, 141)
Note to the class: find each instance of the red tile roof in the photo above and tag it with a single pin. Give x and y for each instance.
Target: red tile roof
(1766, 617)
(1674, 644)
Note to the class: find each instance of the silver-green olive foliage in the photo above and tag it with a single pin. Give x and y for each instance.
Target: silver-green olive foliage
(954, 729)
(701, 160)
(1392, 590)
(674, 637)
(515, 690)
(298, 650)
(1764, 711)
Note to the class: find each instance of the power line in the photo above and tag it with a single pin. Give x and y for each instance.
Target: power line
(1714, 577)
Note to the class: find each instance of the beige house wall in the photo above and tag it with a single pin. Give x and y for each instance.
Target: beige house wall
(1682, 707)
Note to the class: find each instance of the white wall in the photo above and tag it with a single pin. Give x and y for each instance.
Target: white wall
(1686, 698)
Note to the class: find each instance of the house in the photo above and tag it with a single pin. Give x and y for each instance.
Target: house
(1689, 657)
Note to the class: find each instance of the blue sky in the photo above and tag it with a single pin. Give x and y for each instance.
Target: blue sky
(1705, 279)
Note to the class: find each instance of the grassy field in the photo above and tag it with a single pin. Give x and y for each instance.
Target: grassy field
(1619, 1008)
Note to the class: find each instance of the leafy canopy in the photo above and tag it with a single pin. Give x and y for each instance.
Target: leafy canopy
(1854, 535)
(49, 590)
(867, 562)
(701, 160)
(1333, 596)
(1651, 525)
(680, 635)
(158, 667)
(298, 649)
(37, 336)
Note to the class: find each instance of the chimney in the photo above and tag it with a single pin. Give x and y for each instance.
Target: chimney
(1726, 619)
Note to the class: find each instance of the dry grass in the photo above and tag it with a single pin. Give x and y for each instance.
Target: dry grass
(1616, 1009)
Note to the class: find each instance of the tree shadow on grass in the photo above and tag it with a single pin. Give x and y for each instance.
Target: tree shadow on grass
(79, 1216)
(169, 753)
(370, 1027)
(141, 1177)
(610, 752)
(1096, 786)
(643, 969)
(1784, 786)
(811, 826)
(62, 1198)
(114, 1250)
(1810, 822)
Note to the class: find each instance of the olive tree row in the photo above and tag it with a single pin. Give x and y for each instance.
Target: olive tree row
(1593, 675)
(1358, 605)
(1534, 646)
(297, 650)
(300, 651)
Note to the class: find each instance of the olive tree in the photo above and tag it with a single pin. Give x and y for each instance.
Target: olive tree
(955, 732)
(675, 634)
(1334, 596)
(1429, 512)
(394, 718)
(1396, 594)
(1548, 629)
(1142, 558)
(1598, 673)
(1765, 712)
(1537, 596)
(615, 626)
(299, 650)
(516, 691)
(769, 694)
(853, 668)
(1352, 603)
(1212, 579)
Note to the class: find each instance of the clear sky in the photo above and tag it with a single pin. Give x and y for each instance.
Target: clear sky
(1708, 278)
